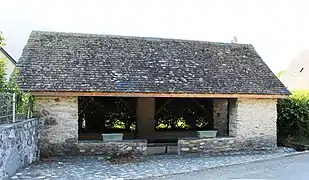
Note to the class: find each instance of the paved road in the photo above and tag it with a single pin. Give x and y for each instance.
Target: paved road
(287, 168)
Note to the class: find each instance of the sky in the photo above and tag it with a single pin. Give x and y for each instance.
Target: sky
(278, 30)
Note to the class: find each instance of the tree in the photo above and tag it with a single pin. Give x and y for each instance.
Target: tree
(24, 101)
(3, 84)
(2, 40)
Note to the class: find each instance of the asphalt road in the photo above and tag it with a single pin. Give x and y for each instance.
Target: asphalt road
(287, 168)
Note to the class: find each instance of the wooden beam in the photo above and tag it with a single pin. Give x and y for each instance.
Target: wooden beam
(199, 104)
(163, 105)
(145, 94)
(127, 106)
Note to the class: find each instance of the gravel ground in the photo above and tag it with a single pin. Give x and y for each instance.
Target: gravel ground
(96, 168)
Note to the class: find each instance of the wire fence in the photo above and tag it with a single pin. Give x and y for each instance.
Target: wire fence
(8, 109)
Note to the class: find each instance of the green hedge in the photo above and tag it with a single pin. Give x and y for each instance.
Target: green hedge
(293, 115)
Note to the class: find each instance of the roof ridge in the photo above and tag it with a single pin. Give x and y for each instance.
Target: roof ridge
(134, 37)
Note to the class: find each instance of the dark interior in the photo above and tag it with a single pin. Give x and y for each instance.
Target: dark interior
(118, 114)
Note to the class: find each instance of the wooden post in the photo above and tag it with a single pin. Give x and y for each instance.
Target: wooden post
(145, 118)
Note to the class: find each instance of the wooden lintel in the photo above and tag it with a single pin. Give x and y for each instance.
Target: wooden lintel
(168, 95)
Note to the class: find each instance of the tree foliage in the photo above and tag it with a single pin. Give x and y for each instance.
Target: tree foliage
(3, 84)
(293, 115)
(24, 101)
(2, 40)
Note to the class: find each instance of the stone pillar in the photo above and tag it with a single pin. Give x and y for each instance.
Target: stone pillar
(220, 116)
(145, 118)
(253, 121)
(59, 121)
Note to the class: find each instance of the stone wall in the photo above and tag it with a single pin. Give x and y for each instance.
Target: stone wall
(206, 145)
(254, 120)
(215, 145)
(59, 118)
(18, 146)
(220, 116)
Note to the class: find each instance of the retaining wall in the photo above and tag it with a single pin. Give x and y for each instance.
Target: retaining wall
(18, 146)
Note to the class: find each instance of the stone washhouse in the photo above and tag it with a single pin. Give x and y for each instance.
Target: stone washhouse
(59, 68)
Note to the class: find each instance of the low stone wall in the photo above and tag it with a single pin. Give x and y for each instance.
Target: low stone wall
(18, 146)
(222, 144)
(129, 148)
(136, 148)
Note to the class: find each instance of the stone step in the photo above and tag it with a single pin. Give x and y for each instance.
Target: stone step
(161, 144)
(153, 150)
(156, 150)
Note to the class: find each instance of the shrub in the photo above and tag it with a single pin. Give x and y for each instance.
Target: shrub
(293, 115)
(24, 101)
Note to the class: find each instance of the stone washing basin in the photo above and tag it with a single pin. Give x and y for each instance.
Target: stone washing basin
(207, 134)
(112, 136)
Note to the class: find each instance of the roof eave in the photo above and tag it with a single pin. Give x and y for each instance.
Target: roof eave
(8, 56)
(158, 94)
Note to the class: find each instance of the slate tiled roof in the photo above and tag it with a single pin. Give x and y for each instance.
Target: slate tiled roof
(54, 61)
